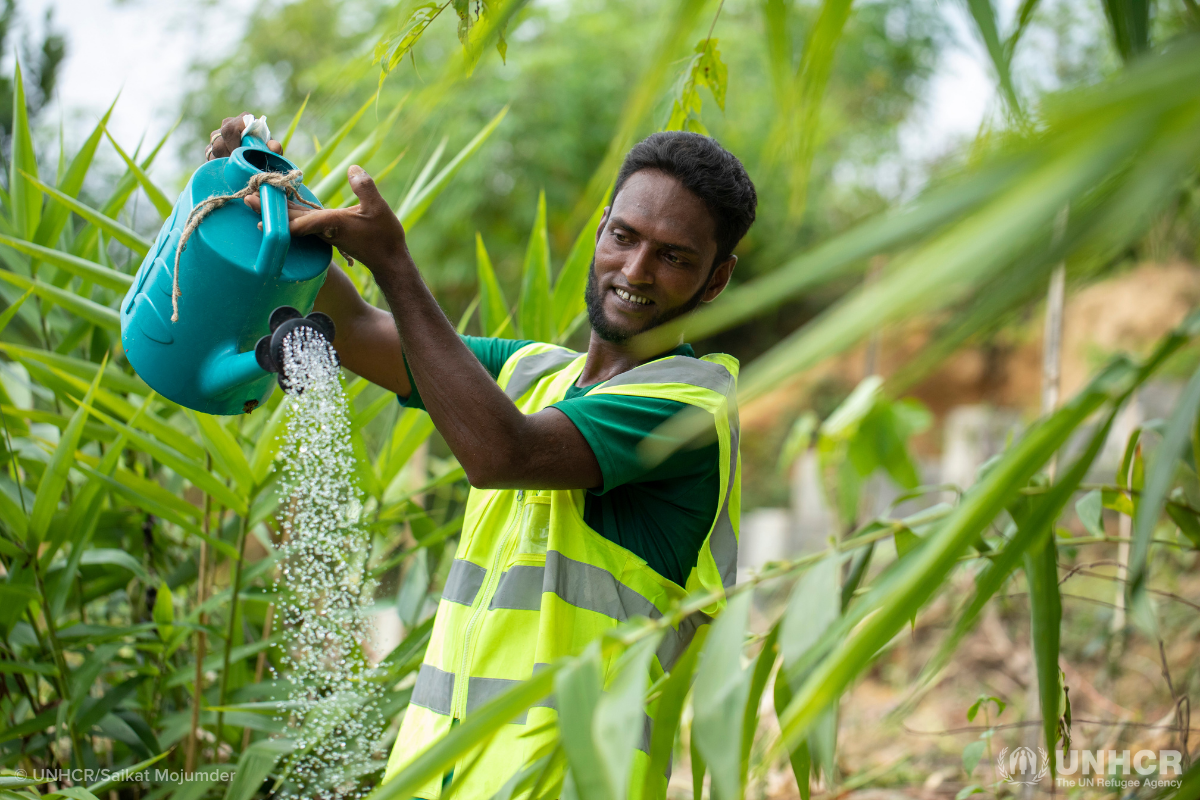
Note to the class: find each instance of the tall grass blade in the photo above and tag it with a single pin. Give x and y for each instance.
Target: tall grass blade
(314, 164)
(122, 234)
(572, 278)
(26, 200)
(494, 317)
(156, 195)
(81, 267)
(287, 137)
(535, 313)
(55, 216)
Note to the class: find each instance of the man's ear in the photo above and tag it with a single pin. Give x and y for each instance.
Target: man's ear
(603, 222)
(719, 279)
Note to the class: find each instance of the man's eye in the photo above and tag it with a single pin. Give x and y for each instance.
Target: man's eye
(620, 237)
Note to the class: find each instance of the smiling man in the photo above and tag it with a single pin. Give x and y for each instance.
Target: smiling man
(569, 530)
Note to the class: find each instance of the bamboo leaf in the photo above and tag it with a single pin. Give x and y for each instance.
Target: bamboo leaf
(1045, 609)
(984, 15)
(10, 312)
(227, 454)
(763, 664)
(577, 690)
(338, 176)
(319, 158)
(89, 310)
(26, 200)
(572, 279)
(410, 212)
(186, 467)
(1163, 465)
(88, 270)
(535, 312)
(480, 725)
(617, 723)
(670, 710)
(54, 479)
(255, 765)
(55, 216)
(494, 316)
(851, 644)
(719, 700)
(287, 137)
(122, 234)
(157, 198)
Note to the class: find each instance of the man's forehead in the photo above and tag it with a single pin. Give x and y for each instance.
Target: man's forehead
(660, 207)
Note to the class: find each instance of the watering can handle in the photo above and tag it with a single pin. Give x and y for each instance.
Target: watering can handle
(276, 237)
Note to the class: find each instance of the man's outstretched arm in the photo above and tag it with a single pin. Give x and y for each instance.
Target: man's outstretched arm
(498, 446)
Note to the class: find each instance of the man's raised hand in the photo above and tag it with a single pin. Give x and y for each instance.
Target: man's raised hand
(368, 232)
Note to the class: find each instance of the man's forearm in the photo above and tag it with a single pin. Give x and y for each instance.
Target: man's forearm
(366, 341)
(480, 424)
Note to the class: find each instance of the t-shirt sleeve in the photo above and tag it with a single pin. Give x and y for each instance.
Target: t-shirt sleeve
(490, 351)
(614, 425)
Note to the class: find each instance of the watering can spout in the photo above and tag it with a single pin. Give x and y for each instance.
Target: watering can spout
(284, 321)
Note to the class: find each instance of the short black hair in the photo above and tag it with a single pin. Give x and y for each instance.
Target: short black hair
(708, 171)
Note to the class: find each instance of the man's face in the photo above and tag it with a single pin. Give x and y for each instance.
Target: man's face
(654, 258)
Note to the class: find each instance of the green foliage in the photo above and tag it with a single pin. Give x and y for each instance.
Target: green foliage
(111, 497)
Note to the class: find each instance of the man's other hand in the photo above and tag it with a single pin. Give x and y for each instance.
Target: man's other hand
(368, 232)
(227, 138)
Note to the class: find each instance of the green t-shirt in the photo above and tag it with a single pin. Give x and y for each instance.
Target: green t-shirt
(661, 513)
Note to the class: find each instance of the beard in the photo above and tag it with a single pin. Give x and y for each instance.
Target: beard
(609, 332)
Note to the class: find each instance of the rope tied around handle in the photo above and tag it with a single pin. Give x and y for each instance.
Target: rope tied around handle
(287, 181)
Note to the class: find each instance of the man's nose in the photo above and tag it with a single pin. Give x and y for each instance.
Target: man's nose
(638, 268)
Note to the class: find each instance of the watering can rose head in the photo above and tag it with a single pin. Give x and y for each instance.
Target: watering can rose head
(203, 296)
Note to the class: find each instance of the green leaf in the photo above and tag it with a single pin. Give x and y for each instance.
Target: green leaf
(577, 689)
(55, 215)
(906, 540)
(287, 137)
(850, 645)
(164, 611)
(54, 479)
(719, 700)
(319, 158)
(111, 556)
(1090, 510)
(255, 765)
(617, 724)
(157, 198)
(1188, 523)
(1045, 608)
(971, 755)
(186, 467)
(81, 267)
(967, 791)
(122, 234)
(227, 454)
(413, 208)
(91, 311)
(763, 664)
(985, 22)
(1163, 466)
(23, 186)
(572, 278)
(391, 50)
(332, 183)
(7, 315)
(670, 709)
(494, 316)
(478, 726)
(535, 312)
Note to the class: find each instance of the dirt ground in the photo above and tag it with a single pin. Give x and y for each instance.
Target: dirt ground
(1119, 696)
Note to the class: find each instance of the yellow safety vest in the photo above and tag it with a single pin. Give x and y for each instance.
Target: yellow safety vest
(531, 582)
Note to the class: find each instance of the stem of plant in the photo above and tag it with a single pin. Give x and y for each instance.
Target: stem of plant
(237, 588)
(64, 675)
(198, 690)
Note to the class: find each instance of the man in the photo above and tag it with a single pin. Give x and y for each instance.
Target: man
(568, 531)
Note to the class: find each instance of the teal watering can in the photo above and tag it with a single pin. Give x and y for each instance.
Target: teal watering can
(238, 287)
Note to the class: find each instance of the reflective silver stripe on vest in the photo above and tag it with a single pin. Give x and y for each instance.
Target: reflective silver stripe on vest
(723, 541)
(483, 690)
(679, 369)
(530, 369)
(434, 690)
(520, 588)
(463, 582)
(585, 586)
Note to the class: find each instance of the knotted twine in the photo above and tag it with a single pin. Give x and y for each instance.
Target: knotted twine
(287, 181)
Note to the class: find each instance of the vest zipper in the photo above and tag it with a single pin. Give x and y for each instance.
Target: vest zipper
(458, 707)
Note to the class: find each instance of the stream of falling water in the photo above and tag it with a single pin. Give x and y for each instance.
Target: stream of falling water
(333, 712)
